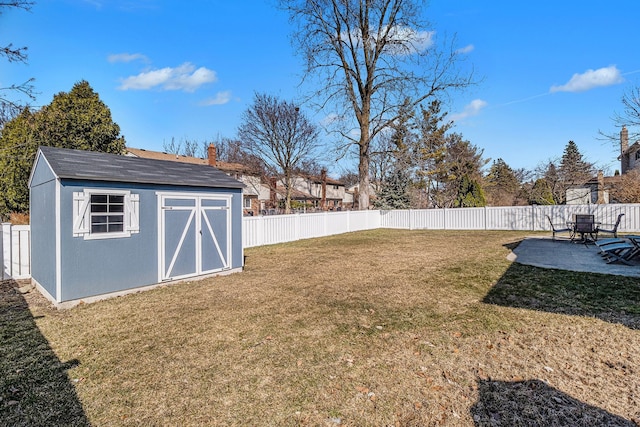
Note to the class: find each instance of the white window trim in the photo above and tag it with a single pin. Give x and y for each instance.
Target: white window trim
(82, 214)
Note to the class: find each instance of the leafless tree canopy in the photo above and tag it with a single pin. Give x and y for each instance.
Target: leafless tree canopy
(629, 117)
(370, 56)
(9, 106)
(280, 134)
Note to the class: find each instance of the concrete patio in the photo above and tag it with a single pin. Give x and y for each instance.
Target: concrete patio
(566, 255)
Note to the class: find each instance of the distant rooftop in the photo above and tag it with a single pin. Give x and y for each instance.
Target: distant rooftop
(92, 165)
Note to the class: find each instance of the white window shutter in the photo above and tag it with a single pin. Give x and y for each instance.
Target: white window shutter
(132, 213)
(80, 214)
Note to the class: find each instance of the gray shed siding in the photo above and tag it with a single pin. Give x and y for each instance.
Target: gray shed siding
(43, 226)
(96, 267)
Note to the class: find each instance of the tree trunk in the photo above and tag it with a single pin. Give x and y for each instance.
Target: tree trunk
(363, 167)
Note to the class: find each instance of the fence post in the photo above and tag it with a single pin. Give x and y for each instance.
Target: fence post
(444, 218)
(7, 250)
(485, 217)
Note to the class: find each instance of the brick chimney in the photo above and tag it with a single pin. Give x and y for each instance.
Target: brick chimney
(600, 190)
(211, 155)
(323, 199)
(624, 140)
(273, 196)
(624, 146)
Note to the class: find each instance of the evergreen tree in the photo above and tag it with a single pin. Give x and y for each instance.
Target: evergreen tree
(394, 192)
(574, 170)
(470, 193)
(431, 151)
(541, 193)
(77, 119)
(502, 184)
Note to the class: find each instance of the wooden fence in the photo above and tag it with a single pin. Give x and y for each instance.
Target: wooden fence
(268, 230)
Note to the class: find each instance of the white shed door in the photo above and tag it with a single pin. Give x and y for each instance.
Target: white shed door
(194, 235)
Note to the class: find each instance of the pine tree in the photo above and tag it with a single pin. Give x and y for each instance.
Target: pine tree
(574, 170)
(502, 184)
(541, 193)
(394, 192)
(470, 194)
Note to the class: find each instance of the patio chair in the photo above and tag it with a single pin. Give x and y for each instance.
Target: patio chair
(623, 250)
(586, 226)
(618, 252)
(613, 230)
(556, 230)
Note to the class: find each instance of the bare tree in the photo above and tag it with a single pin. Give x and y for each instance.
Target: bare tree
(627, 189)
(630, 117)
(370, 56)
(9, 107)
(280, 134)
(186, 147)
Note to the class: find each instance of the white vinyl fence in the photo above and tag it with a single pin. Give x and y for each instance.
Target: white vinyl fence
(15, 250)
(268, 230)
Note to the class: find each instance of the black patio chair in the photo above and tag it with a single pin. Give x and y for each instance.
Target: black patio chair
(556, 230)
(586, 226)
(613, 230)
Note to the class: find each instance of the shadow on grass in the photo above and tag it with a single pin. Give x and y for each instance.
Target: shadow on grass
(615, 299)
(534, 403)
(34, 387)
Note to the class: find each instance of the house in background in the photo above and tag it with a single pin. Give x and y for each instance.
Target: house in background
(316, 192)
(594, 191)
(105, 224)
(629, 155)
(256, 194)
(262, 195)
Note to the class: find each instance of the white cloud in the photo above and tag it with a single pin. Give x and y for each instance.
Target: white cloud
(185, 77)
(127, 57)
(590, 79)
(471, 109)
(467, 49)
(220, 99)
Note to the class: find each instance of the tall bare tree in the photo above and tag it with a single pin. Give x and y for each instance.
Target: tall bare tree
(9, 106)
(370, 56)
(630, 117)
(277, 132)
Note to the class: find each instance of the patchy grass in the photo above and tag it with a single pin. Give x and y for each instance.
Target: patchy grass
(384, 327)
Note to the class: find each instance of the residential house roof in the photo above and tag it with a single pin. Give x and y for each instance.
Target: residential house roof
(158, 155)
(92, 165)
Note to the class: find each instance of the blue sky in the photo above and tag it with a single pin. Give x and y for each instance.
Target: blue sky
(552, 71)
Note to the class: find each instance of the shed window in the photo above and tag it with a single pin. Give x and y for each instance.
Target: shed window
(107, 213)
(100, 214)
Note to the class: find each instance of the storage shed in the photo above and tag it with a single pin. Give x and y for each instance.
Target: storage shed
(104, 224)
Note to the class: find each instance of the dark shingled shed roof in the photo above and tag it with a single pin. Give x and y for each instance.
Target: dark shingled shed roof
(96, 166)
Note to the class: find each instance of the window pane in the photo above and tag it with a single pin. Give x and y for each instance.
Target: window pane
(98, 219)
(116, 199)
(98, 198)
(98, 228)
(116, 208)
(115, 219)
(116, 228)
(98, 208)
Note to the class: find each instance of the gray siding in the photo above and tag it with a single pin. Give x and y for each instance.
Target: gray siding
(95, 267)
(43, 227)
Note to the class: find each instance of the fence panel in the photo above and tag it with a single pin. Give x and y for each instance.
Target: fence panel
(16, 253)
